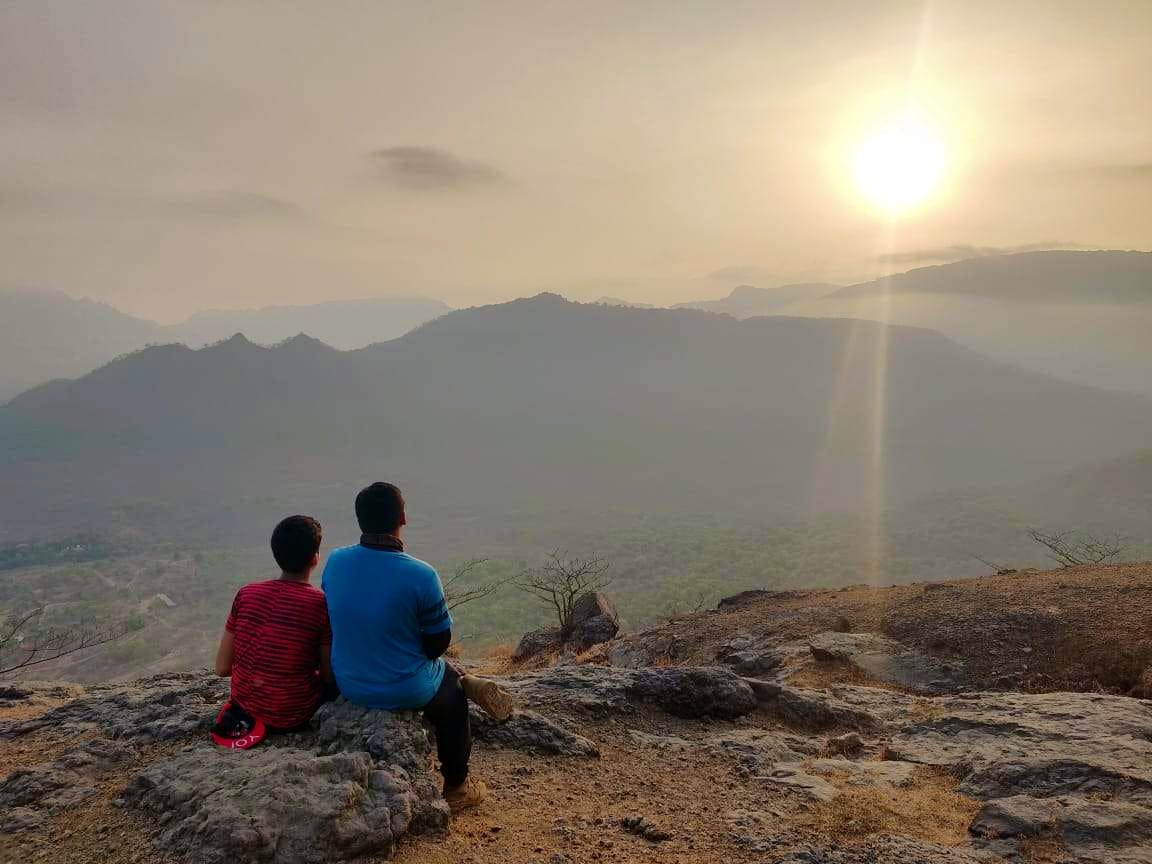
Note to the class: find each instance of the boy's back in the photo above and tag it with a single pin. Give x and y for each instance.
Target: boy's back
(279, 628)
(381, 604)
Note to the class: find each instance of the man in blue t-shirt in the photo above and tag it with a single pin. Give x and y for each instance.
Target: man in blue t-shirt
(390, 629)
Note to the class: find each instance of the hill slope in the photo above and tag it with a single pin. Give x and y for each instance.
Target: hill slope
(1084, 316)
(343, 324)
(44, 336)
(543, 403)
(49, 335)
(747, 300)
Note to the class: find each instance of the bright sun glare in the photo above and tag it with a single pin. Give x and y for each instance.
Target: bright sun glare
(899, 166)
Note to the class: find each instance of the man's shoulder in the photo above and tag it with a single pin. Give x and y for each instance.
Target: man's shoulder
(416, 565)
(342, 555)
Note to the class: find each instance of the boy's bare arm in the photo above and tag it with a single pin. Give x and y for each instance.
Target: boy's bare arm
(224, 655)
(326, 664)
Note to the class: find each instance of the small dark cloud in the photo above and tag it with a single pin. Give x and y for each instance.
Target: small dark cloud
(959, 251)
(428, 168)
(1074, 171)
(235, 204)
(1123, 171)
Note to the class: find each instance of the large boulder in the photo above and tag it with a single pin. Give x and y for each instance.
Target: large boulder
(350, 788)
(282, 805)
(536, 642)
(695, 691)
(530, 732)
(594, 621)
(684, 691)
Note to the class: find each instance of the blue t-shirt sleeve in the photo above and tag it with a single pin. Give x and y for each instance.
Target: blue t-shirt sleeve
(432, 610)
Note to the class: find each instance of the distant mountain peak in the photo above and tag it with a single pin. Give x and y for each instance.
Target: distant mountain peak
(741, 292)
(235, 340)
(302, 342)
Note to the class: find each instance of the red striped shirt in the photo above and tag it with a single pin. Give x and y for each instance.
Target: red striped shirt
(278, 627)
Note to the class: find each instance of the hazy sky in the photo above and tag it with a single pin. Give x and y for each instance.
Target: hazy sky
(166, 156)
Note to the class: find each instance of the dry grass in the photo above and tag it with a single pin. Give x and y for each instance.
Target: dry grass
(819, 676)
(925, 711)
(1076, 628)
(495, 659)
(931, 810)
(1043, 850)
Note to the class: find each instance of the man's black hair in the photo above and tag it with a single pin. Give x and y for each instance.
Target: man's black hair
(295, 541)
(380, 509)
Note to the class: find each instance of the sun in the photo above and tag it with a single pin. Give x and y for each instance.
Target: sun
(900, 165)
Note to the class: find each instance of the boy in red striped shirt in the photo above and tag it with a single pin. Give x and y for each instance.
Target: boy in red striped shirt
(277, 642)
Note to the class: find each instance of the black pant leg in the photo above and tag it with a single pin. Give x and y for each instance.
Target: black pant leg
(448, 714)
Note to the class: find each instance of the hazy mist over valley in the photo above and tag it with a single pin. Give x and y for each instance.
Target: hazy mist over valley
(772, 442)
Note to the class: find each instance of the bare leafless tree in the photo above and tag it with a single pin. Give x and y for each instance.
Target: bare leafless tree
(458, 591)
(23, 645)
(1069, 549)
(561, 580)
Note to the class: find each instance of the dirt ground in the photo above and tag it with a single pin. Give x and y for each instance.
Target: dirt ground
(1076, 628)
(555, 810)
(1081, 627)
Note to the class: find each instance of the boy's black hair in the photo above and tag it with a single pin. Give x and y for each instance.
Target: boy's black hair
(380, 509)
(295, 541)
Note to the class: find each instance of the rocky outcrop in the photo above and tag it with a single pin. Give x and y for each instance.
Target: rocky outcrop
(811, 710)
(743, 599)
(683, 691)
(594, 621)
(284, 805)
(348, 785)
(1083, 830)
(537, 642)
(1004, 729)
(28, 795)
(647, 649)
(1072, 768)
(879, 850)
(352, 787)
(887, 660)
(530, 732)
(161, 708)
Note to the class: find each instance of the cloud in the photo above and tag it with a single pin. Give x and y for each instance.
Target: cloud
(1123, 171)
(428, 168)
(959, 251)
(234, 204)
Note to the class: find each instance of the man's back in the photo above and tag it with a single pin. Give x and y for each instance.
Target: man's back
(381, 603)
(279, 627)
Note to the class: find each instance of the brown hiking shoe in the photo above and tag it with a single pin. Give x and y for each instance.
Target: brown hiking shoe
(487, 694)
(469, 794)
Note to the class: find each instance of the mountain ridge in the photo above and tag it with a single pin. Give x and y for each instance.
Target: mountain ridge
(568, 402)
